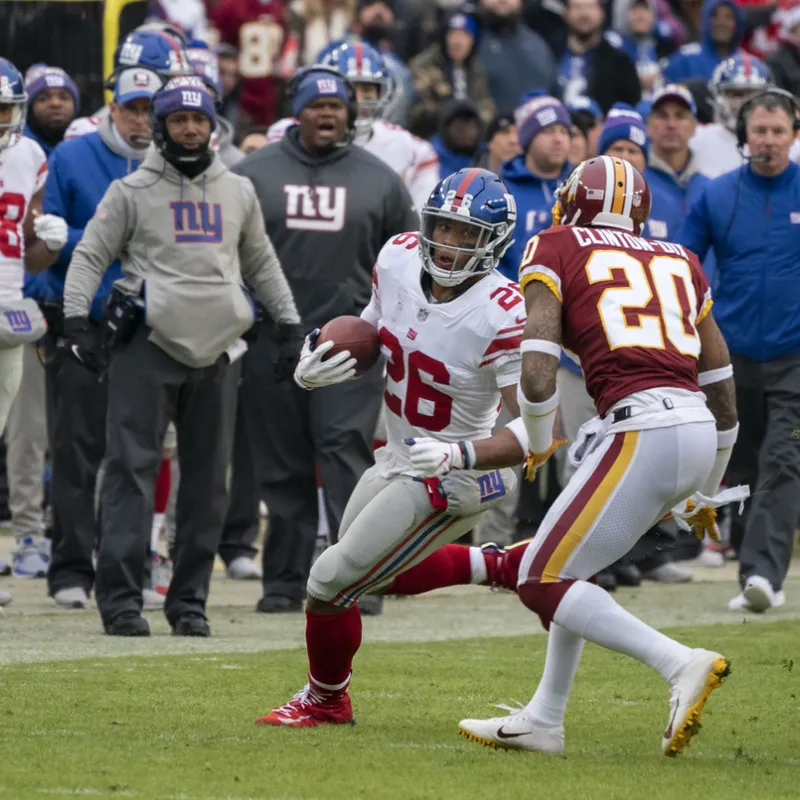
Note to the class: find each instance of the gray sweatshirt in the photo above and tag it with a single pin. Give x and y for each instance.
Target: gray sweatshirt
(328, 219)
(187, 246)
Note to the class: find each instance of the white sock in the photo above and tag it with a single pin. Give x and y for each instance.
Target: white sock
(549, 704)
(155, 533)
(591, 612)
(477, 565)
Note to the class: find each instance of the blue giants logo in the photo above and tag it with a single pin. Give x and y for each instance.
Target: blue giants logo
(196, 222)
(491, 485)
(18, 321)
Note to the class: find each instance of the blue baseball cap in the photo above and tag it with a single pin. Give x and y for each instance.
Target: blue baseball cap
(318, 83)
(674, 91)
(134, 83)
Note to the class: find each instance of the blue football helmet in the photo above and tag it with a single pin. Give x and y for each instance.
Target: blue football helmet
(205, 65)
(362, 65)
(12, 93)
(480, 199)
(734, 81)
(159, 52)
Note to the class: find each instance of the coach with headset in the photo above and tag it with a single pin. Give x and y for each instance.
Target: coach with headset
(328, 208)
(751, 218)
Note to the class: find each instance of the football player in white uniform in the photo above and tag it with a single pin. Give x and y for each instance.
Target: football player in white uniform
(450, 326)
(413, 159)
(23, 228)
(734, 81)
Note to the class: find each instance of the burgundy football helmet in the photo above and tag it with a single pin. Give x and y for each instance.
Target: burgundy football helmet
(604, 192)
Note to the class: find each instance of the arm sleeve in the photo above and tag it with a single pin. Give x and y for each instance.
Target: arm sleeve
(260, 266)
(695, 233)
(104, 239)
(57, 201)
(541, 262)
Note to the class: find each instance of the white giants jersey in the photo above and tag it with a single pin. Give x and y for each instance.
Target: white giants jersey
(84, 125)
(717, 151)
(413, 159)
(446, 362)
(23, 171)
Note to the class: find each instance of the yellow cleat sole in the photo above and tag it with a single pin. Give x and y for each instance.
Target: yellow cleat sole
(691, 725)
(480, 740)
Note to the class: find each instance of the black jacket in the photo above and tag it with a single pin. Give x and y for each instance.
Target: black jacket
(785, 66)
(327, 218)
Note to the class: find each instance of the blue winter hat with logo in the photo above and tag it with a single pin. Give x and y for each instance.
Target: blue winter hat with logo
(538, 111)
(184, 94)
(623, 122)
(319, 83)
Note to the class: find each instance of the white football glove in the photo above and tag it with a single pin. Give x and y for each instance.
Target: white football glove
(312, 372)
(431, 458)
(51, 230)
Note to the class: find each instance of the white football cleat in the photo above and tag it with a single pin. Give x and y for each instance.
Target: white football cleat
(152, 600)
(244, 569)
(514, 732)
(760, 595)
(688, 695)
(73, 597)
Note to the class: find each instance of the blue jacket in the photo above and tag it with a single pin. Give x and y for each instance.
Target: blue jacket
(698, 59)
(48, 148)
(535, 197)
(449, 162)
(80, 171)
(753, 224)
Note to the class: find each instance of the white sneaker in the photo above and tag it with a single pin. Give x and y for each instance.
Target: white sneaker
(704, 673)
(5, 598)
(152, 600)
(669, 573)
(760, 595)
(244, 569)
(32, 558)
(514, 732)
(74, 597)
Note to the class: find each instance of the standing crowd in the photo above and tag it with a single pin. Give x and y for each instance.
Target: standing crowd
(234, 194)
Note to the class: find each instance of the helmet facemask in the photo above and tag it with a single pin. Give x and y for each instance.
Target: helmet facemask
(11, 131)
(373, 109)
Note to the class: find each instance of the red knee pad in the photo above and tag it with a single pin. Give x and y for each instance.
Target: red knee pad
(543, 598)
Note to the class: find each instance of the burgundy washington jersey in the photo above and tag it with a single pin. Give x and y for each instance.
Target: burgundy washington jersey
(630, 307)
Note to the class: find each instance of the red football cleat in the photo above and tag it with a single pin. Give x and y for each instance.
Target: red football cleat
(311, 707)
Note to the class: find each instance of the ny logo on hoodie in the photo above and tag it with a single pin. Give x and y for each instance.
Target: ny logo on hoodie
(196, 222)
(317, 208)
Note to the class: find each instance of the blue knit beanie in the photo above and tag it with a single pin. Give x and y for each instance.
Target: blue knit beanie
(536, 112)
(623, 122)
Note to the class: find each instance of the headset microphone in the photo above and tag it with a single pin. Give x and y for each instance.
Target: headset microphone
(759, 159)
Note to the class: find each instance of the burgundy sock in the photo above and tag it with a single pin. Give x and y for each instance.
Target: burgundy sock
(448, 566)
(332, 640)
(162, 486)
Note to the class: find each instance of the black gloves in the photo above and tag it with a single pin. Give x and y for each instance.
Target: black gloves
(83, 344)
(290, 341)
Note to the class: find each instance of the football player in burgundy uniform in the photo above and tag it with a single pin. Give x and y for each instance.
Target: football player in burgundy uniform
(637, 314)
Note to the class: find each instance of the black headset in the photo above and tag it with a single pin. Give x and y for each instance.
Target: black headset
(781, 94)
(293, 86)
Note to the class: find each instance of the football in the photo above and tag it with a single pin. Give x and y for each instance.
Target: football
(353, 334)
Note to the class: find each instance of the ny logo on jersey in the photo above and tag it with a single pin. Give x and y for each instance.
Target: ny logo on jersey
(196, 222)
(491, 485)
(412, 334)
(18, 321)
(318, 208)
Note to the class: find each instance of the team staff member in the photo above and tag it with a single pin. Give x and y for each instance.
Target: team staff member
(80, 172)
(328, 208)
(750, 218)
(190, 232)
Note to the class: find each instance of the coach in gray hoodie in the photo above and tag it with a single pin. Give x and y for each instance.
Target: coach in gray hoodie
(189, 236)
(328, 207)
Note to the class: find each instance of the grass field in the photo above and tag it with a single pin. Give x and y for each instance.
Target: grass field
(182, 726)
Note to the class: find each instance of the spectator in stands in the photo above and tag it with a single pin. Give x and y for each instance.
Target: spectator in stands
(314, 25)
(543, 128)
(720, 36)
(449, 71)
(80, 172)
(459, 137)
(516, 59)
(785, 61)
(643, 38)
(500, 145)
(748, 216)
(230, 108)
(587, 116)
(53, 101)
(254, 139)
(259, 32)
(189, 15)
(589, 65)
(329, 207)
